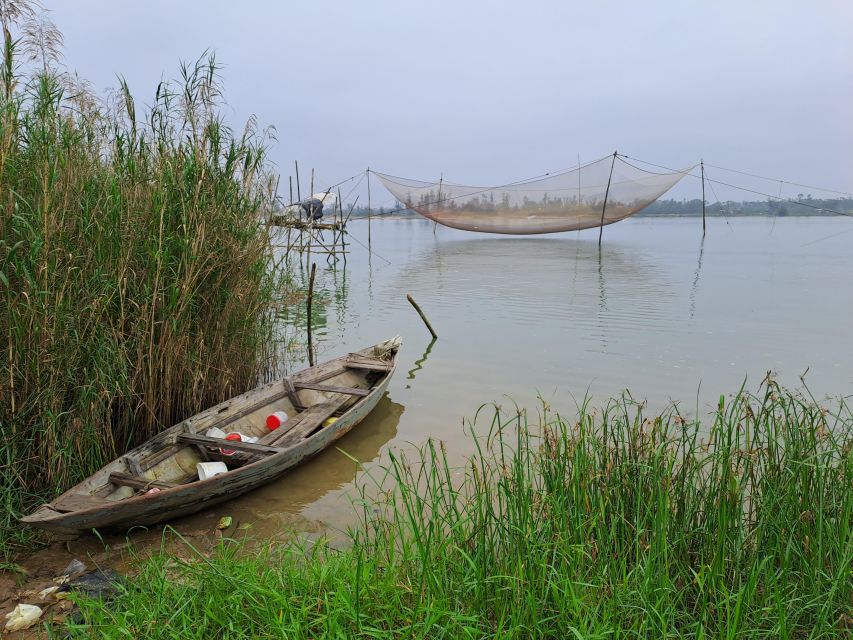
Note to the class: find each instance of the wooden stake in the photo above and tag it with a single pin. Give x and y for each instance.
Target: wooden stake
(606, 193)
(579, 181)
(702, 165)
(422, 315)
(308, 305)
(298, 193)
(368, 209)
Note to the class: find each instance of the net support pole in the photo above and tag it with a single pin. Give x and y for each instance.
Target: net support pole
(606, 193)
(368, 209)
(298, 192)
(702, 167)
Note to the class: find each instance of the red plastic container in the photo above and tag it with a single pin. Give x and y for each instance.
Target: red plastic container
(275, 420)
(236, 437)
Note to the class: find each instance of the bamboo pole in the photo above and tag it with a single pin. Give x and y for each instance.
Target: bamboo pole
(422, 315)
(298, 199)
(604, 205)
(368, 209)
(298, 192)
(308, 305)
(579, 181)
(702, 165)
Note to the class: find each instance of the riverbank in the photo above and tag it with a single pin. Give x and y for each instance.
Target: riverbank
(609, 524)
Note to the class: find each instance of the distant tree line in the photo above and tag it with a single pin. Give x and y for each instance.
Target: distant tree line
(802, 205)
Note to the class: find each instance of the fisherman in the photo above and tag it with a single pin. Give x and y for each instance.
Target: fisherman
(313, 208)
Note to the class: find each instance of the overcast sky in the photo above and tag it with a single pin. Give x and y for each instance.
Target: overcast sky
(488, 92)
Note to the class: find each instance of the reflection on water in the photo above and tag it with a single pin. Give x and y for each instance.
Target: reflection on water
(419, 363)
(695, 286)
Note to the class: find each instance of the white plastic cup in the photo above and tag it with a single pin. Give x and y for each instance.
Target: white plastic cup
(209, 469)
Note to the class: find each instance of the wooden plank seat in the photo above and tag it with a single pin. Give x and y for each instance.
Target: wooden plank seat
(236, 445)
(316, 386)
(126, 480)
(355, 361)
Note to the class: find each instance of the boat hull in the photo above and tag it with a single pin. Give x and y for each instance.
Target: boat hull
(189, 498)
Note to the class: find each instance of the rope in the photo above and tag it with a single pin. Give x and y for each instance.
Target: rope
(794, 184)
(759, 193)
(719, 202)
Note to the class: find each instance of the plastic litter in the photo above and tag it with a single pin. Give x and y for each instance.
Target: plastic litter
(329, 422)
(275, 420)
(214, 432)
(152, 491)
(209, 469)
(74, 569)
(234, 437)
(44, 594)
(100, 583)
(22, 617)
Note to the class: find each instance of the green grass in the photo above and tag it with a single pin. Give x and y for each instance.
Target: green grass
(610, 525)
(136, 276)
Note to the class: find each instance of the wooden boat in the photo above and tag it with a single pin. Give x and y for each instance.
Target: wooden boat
(158, 480)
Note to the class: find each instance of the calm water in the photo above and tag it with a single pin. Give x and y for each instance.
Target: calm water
(658, 312)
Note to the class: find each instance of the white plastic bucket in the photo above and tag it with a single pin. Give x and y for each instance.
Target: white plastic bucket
(209, 469)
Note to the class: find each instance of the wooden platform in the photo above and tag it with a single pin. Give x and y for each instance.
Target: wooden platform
(303, 225)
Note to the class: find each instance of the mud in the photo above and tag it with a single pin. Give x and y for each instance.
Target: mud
(120, 555)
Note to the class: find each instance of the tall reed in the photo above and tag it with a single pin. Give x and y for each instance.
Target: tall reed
(614, 524)
(136, 272)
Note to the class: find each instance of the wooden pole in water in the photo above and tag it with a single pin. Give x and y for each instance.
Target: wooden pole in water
(422, 315)
(368, 209)
(579, 181)
(308, 305)
(299, 201)
(606, 193)
(702, 165)
(298, 193)
(341, 207)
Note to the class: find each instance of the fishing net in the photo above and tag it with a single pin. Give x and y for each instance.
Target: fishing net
(564, 201)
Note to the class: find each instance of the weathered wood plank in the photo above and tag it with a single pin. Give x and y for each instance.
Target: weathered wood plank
(320, 375)
(158, 456)
(75, 502)
(358, 361)
(352, 391)
(316, 416)
(218, 422)
(236, 445)
(126, 480)
(291, 394)
(133, 465)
